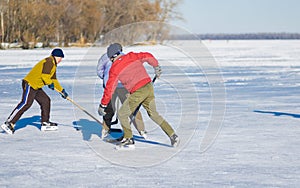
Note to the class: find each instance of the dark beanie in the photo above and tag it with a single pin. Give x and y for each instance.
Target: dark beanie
(57, 52)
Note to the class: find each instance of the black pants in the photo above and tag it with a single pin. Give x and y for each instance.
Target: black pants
(110, 109)
(29, 95)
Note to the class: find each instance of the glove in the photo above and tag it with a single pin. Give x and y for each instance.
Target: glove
(51, 86)
(101, 110)
(64, 94)
(157, 71)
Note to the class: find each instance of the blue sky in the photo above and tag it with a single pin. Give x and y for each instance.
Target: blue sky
(240, 16)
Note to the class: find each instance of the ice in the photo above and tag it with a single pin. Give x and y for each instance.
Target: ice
(234, 104)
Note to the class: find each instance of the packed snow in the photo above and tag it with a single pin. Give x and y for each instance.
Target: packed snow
(234, 104)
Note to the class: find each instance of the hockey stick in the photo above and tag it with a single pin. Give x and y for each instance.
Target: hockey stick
(82, 109)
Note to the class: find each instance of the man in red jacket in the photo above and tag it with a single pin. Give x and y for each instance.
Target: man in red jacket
(129, 69)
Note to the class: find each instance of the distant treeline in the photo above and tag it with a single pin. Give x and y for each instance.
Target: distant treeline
(28, 22)
(243, 36)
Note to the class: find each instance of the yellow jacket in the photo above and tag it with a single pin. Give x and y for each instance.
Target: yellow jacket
(43, 73)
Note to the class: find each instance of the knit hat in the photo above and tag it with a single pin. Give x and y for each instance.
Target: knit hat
(114, 50)
(57, 52)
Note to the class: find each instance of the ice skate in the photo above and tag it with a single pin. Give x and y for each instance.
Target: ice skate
(49, 126)
(174, 140)
(126, 144)
(8, 127)
(104, 133)
(144, 134)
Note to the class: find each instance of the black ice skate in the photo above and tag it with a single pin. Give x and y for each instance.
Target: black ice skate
(49, 126)
(174, 140)
(126, 144)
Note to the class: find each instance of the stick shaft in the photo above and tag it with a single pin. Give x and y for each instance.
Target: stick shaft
(82, 109)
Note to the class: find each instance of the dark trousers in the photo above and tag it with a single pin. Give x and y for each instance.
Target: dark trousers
(29, 95)
(120, 93)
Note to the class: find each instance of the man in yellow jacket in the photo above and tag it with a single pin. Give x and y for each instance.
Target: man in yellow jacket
(43, 73)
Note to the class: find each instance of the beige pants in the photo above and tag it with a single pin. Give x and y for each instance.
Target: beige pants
(122, 94)
(144, 96)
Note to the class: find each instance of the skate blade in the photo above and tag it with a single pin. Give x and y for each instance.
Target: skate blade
(49, 128)
(6, 129)
(125, 148)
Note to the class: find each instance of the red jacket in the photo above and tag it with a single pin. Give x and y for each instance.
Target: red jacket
(130, 71)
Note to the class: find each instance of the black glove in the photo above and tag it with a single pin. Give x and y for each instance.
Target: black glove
(64, 94)
(157, 71)
(101, 110)
(51, 86)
